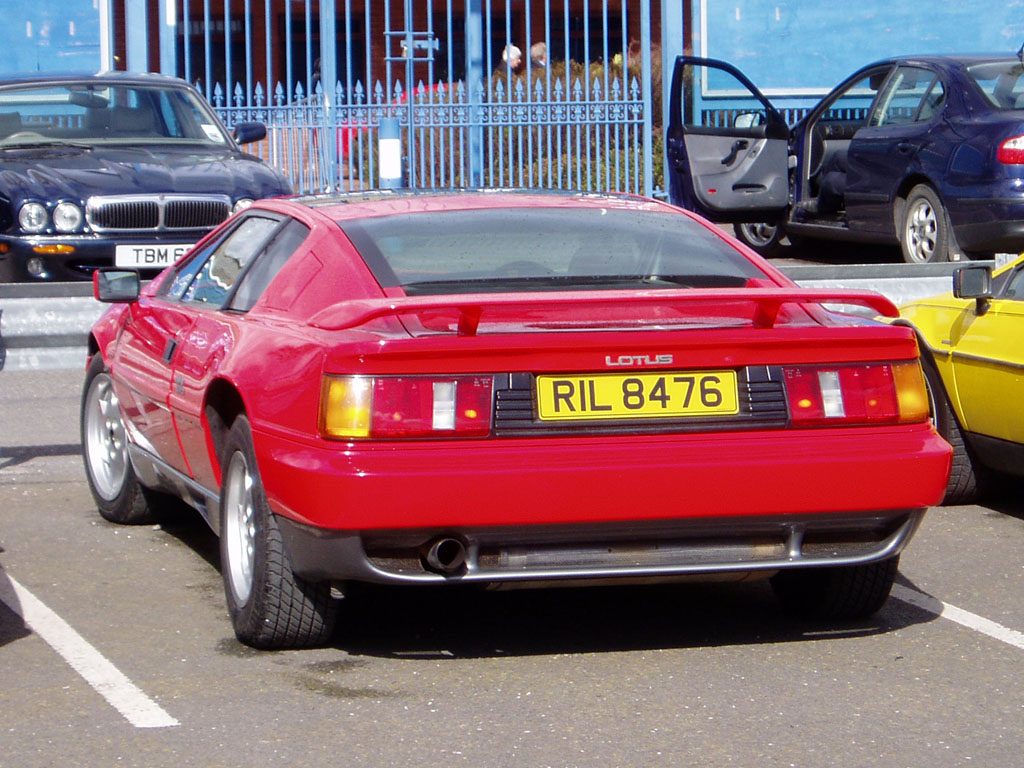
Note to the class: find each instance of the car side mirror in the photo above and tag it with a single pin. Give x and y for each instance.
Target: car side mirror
(246, 133)
(748, 119)
(974, 283)
(116, 286)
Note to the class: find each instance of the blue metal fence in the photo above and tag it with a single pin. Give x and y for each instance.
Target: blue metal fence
(506, 93)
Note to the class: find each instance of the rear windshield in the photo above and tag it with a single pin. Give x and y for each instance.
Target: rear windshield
(1002, 83)
(535, 249)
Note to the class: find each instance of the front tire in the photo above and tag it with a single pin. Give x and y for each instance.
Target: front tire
(924, 230)
(764, 238)
(836, 592)
(119, 496)
(270, 606)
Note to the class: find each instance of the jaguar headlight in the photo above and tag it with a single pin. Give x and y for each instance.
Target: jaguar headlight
(32, 217)
(67, 217)
(241, 205)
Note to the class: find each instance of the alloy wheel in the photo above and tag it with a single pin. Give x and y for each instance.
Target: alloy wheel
(106, 446)
(239, 528)
(922, 231)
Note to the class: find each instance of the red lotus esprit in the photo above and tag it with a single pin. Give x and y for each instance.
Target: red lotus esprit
(432, 389)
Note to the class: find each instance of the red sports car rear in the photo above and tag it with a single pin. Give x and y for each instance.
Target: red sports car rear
(507, 388)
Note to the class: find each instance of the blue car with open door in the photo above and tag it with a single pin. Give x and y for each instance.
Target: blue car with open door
(926, 152)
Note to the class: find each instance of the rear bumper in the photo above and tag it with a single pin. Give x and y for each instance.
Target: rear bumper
(437, 485)
(989, 225)
(602, 507)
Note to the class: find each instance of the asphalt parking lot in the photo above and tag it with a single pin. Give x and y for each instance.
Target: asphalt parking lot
(116, 650)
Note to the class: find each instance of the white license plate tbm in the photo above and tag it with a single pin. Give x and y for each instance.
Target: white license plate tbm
(150, 255)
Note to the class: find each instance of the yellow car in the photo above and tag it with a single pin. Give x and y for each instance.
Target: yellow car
(972, 345)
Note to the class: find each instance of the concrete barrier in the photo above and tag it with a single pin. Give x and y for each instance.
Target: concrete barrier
(46, 326)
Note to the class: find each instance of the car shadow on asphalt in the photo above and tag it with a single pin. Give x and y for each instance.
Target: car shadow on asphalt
(413, 623)
(12, 625)
(12, 457)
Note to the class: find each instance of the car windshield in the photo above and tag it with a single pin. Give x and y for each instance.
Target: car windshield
(534, 249)
(89, 113)
(1002, 82)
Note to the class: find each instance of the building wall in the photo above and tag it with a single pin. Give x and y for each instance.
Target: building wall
(802, 48)
(50, 36)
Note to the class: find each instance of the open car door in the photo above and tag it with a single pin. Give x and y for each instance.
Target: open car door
(727, 146)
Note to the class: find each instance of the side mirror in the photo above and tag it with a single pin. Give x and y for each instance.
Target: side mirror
(748, 119)
(974, 283)
(116, 286)
(246, 133)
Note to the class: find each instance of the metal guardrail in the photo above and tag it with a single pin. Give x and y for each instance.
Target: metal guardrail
(45, 326)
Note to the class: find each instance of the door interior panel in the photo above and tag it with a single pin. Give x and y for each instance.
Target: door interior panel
(736, 173)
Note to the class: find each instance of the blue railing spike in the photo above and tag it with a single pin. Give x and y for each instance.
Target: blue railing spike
(218, 95)
(299, 93)
(279, 94)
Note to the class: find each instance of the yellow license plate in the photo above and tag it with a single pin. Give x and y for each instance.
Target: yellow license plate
(665, 394)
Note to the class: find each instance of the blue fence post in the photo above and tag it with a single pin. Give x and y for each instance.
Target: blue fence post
(168, 10)
(328, 87)
(672, 43)
(474, 84)
(136, 41)
(390, 153)
(106, 35)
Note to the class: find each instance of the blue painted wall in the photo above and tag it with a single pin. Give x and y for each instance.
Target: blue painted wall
(50, 35)
(808, 46)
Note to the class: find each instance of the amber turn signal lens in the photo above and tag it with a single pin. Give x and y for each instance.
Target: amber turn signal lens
(345, 406)
(59, 249)
(911, 391)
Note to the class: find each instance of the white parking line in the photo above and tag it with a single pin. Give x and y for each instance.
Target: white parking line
(106, 679)
(959, 615)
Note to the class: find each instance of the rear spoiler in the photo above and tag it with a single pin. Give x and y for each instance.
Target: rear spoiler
(471, 307)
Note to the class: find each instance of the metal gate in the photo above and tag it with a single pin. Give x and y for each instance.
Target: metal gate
(492, 93)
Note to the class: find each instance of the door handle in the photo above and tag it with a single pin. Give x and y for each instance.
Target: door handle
(906, 148)
(737, 146)
(172, 344)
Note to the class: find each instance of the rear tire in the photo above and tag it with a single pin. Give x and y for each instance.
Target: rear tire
(836, 592)
(119, 496)
(270, 606)
(760, 236)
(962, 487)
(924, 229)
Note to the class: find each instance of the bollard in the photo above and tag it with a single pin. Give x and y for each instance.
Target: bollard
(390, 153)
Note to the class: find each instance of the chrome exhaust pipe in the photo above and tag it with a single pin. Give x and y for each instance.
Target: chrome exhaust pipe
(446, 555)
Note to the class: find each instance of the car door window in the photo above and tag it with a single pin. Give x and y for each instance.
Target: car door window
(214, 280)
(1015, 288)
(699, 111)
(274, 256)
(911, 95)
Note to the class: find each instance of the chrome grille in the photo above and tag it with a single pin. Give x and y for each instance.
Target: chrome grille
(156, 213)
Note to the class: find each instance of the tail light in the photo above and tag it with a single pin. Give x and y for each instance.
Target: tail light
(1011, 151)
(873, 393)
(405, 406)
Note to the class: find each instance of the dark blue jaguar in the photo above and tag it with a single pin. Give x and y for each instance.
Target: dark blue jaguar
(98, 170)
(924, 151)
